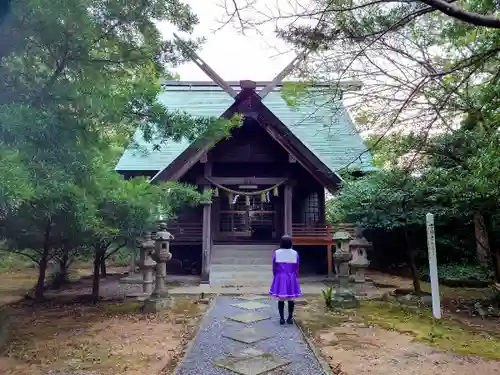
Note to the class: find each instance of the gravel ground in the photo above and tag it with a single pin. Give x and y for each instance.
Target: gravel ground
(287, 342)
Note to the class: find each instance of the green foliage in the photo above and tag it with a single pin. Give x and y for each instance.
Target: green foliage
(10, 262)
(78, 77)
(293, 93)
(328, 297)
(386, 199)
(462, 272)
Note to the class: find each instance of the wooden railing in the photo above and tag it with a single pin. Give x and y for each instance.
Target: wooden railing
(186, 232)
(312, 234)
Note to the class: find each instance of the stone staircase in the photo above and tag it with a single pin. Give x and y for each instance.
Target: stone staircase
(241, 265)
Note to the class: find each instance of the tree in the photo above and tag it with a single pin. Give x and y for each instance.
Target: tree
(42, 226)
(124, 209)
(75, 77)
(421, 70)
(389, 200)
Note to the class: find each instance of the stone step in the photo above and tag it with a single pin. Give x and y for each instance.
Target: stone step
(242, 275)
(246, 268)
(237, 248)
(240, 283)
(240, 261)
(230, 252)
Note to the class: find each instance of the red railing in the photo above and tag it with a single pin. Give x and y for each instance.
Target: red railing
(318, 234)
(312, 234)
(186, 232)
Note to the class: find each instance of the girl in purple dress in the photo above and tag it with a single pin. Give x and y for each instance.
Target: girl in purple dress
(285, 286)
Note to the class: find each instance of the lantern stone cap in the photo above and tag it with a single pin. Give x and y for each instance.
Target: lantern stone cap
(149, 243)
(341, 235)
(359, 242)
(149, 262)
(163, 235)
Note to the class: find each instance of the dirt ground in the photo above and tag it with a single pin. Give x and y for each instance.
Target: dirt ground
(364, 350)
(113, 338)
(369, 341)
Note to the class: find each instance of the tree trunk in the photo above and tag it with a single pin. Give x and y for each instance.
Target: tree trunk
(483, 250)
(495, 256)
(415, 275)
(42, 266)
(411, 255)
(103, 268)
(98, 257)
(62, 276)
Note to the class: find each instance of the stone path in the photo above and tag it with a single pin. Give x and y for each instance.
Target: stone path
(242, 335)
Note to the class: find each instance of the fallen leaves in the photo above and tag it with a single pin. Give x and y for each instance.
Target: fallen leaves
(113, 338)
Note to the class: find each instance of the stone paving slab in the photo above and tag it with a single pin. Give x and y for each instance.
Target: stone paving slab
(210, 346)
(252, 298)
(248, 335)
(248, 317)
(251, 362)
(250, 305)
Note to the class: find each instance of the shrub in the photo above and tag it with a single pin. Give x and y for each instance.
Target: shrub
(462, 273)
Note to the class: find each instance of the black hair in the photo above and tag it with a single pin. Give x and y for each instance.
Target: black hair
(286, 242)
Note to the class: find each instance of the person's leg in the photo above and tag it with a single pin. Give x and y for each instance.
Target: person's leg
(281, 309)
(291, 306)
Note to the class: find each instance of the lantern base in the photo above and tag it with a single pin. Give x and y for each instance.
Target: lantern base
(157, 303)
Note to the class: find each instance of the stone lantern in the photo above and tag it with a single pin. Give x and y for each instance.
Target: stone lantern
(343, 297)
(359, 247)
(342, 255)
(160, 298)
(147, 263)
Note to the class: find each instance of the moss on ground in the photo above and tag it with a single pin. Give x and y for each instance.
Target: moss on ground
(446, 334)
(459, 293)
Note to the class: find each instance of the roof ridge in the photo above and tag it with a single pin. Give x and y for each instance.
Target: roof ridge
(181, 83)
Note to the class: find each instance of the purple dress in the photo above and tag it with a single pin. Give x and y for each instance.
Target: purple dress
(286, 272)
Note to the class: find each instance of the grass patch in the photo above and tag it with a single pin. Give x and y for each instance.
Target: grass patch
(15, 284)
(445, 334)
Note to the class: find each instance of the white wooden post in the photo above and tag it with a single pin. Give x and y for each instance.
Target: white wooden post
(431, 247)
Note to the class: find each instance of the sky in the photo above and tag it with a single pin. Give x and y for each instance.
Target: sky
(232, 55)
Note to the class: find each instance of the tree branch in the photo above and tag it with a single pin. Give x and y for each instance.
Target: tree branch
(469, 17)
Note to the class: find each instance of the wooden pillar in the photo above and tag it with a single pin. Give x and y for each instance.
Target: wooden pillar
(206, 242)
(288, 196)
(206, 246)
(330, 260)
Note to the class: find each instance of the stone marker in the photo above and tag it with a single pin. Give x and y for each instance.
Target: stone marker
(160, 299)
(431, 246)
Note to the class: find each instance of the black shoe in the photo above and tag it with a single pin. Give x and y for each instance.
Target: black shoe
(281, 309)
(291, 306)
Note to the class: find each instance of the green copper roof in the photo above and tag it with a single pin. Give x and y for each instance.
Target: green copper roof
(326, 129)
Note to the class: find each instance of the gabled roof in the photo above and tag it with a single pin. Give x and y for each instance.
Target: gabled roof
(325, 129)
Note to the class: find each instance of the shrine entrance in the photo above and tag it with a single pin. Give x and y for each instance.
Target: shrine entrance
(252, 218)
